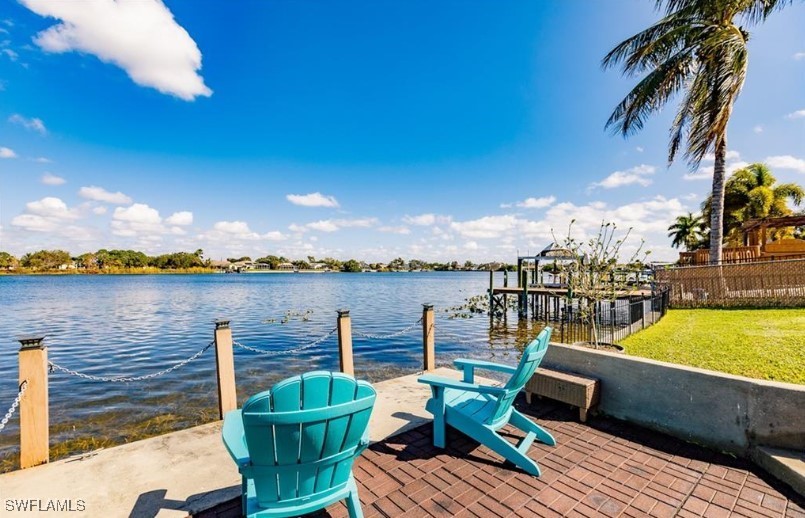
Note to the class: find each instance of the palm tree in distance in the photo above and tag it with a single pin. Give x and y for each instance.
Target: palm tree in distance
(753, 192)
(687, 231)
(698, 51)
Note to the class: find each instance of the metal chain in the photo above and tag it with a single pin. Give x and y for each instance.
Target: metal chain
(286, 351)
(392, 335)
(127, 379)
(14, 405)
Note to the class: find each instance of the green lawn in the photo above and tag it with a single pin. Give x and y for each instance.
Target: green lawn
(758, 343)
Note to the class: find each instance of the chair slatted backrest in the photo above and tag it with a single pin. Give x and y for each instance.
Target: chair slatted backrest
(303, 435)
(532, 356)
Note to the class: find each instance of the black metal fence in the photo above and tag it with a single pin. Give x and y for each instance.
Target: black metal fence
(614, 320)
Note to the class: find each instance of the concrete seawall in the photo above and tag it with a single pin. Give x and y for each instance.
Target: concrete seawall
(725, 412)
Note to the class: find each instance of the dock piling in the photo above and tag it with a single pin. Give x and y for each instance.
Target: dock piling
(225, 367)
(429, 337)
(344, 327)
(34, 417)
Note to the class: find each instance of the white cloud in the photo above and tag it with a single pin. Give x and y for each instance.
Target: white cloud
(99, 210)
(402, 230)
(314, 199)
(486, 227)
(471, 245)
(137, 213)
(706, 172)
(786, 162)
(33, 124)
(730, 155)
(13, 56)
(100, 194)
(323, 226)
(639, 149)
(532, 203)
(43, 160)
(180, 218)
(332, 225)
(51, 215)
(139, 36)
(635, 175)
(293, 227)
(799, 55)
(7, 153)
(52, 179)
(799, 114)
(51, 207)
(424, 220)
(758, 129)
(229, 231)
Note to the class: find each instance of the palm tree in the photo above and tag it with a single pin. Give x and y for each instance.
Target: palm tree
(696, 50)
(751, 193)
(688, 231)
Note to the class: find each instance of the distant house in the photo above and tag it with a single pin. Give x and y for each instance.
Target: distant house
(219, 265)
(319, 266)
(286, 267)
(241, 266)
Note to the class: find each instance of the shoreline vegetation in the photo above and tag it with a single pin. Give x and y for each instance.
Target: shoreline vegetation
(132, 262)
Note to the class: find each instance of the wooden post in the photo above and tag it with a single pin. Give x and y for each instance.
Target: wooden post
(491, 291)
(225, 366)
(524, 301)
(428, 338)
(345, 342)
(505, 278)
(34, 419)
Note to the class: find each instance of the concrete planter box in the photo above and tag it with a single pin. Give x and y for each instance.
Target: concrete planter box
(725, 412)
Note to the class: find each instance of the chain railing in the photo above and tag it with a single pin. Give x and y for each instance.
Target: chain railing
(14, 405)
(295, 350)
(128, 379)
(401, 332)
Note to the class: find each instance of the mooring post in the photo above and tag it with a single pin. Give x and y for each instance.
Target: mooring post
(505, 278)
(34, 419)
(524, 301)
(225, 367)
(428, 338)
(491, 291)
(345, 342)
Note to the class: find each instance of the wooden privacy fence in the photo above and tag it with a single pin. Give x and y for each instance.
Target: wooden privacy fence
(34, 367)
(759, 284)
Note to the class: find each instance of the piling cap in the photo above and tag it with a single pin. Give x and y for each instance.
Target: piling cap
(32, 342)
(343, 312)
(222, 323)
(427, 306)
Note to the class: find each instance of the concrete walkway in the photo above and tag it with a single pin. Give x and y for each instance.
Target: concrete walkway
(180, 473)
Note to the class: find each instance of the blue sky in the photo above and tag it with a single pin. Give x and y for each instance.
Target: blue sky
(450, 130)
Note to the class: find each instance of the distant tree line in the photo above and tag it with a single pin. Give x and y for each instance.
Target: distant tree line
(112, 261)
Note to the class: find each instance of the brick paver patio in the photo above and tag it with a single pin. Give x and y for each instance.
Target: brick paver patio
(601, 468)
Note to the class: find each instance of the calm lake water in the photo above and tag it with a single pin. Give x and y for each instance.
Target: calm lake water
(133, 325)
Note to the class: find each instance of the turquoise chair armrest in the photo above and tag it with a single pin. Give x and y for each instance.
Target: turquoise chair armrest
(469, 366)
(438, 381)
(234, 438)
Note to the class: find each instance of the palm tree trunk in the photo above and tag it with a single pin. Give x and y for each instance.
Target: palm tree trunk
(717, 209)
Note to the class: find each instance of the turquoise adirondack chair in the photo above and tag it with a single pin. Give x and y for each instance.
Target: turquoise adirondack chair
(295, 444)
(479, 411)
